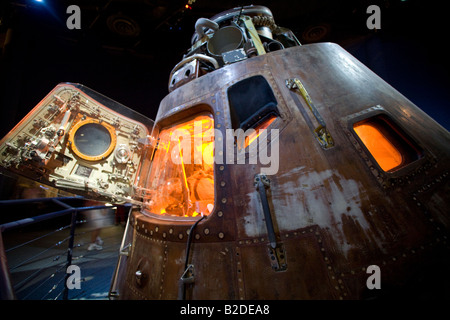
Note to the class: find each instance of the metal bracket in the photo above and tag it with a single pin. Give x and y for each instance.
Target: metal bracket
(278, 258)
(253, 34)
(125, 250)
(188, 275)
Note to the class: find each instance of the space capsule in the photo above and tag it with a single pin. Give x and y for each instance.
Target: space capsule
(273, 170)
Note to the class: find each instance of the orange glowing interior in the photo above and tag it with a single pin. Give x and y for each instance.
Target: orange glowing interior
(182, 173)
(384, 152)
(254, 134)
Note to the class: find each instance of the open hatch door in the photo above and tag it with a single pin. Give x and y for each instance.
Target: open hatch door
(81, 141)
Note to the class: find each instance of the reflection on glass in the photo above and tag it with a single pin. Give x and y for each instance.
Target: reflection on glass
(92, 139)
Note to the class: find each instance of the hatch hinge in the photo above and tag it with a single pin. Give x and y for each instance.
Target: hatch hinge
(278, 257)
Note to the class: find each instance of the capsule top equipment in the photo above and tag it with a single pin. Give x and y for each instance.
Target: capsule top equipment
(229, 37)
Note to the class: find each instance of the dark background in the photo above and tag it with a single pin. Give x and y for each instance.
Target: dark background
(126, 49)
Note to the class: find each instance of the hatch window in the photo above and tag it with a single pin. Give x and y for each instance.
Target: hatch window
(251, 101)
(389, 145)
(182, 173)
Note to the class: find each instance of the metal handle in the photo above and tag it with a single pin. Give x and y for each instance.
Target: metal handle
(261, 182)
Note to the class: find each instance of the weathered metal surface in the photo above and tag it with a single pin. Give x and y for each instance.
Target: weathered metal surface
(334, 211)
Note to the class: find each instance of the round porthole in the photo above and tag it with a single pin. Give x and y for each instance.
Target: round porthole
(92, 140)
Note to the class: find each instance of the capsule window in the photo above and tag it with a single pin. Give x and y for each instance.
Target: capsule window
(182, 173)
(250, 137)
(252, 102)
(388, 144)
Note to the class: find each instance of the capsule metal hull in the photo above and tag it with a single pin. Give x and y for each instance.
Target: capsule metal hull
(334, 211)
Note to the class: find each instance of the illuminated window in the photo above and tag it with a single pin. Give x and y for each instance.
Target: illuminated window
(182, 173)
(254, 134)
(390, 146)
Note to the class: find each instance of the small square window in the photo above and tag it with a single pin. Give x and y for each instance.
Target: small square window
(252, 101)
(388, 144)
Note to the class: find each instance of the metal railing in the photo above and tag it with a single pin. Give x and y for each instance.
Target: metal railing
(66, 235)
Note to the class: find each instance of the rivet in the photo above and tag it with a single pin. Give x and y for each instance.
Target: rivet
(224, 200)
(170, 230)
(222, 183)
(206, 231)
(221, 235)
(164, 234)
(221, 168)
(197, 236)
(180, 236)
(220, 213)
(156, 229)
